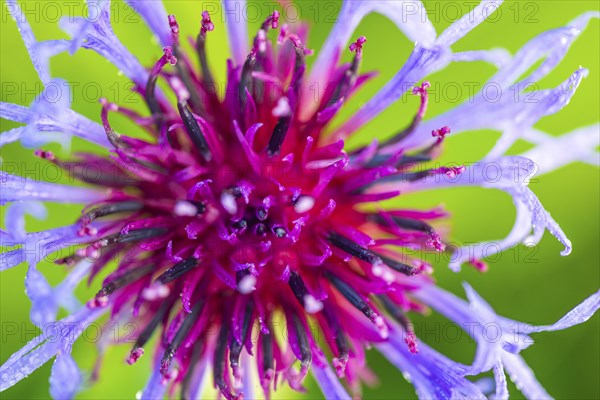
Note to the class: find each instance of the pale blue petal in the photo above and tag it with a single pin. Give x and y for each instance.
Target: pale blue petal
(507, 105)
(95, 33)
(65, 377)
(15, 112)
(576, 316)
(410, 17)
(468, 22)
(50, 119)
(10, 136)
(15, 216)
(41, 349)
(420, 63)
(550, 154)
(329, 383)
(39, 52)
(474, 323)
(511, 175)
(18, 188)
(433, 375)
(38, 245)
(199, 382)
(155, 16)
(501, 386)
(155, 389)
(511, 110)
(248, 381)
(497, 57)
(523, 377)
(46, 300)
(43, 307)
(237, 29)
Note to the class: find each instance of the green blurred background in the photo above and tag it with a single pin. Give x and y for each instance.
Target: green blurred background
(531, 285)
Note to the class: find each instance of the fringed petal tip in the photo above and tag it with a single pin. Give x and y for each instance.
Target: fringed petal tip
(65, 378)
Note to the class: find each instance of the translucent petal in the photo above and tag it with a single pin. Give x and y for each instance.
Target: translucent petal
(409, 16)
(41, 349)
(511, 111)
(464, 25)
(95, 33)
(500, 378)
(18, 188)
(39, 52)
(329, 383)
(576, 316)
(237, 29)
(550, 153)
(50, 119)
(523, 377)
(433, 375)
(15, 216)
(65, 377)
(38, 245)
(12, 135)
(155, 16)
(15, 112)
(155, 389)
(511, 175)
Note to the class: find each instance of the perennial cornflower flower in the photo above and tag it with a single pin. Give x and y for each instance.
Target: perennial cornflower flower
(245, 210)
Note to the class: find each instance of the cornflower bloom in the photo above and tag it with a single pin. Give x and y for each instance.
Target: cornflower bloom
(247, 237)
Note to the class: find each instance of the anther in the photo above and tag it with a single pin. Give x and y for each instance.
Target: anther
(181, 334)
(137, 351)
(177, 270)
(352, 248)
(235, 349)
(194, 131)
(167, 57)
(102, 211)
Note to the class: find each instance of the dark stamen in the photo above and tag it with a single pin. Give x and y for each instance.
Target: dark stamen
(132, 236)
(246, 78)
(341, 342)
(397, 265)
(235, 349)
(207, 26)
(102, 211)
(352, 248)
(278, 136)
(405, 223)
(182, 67)
(350, 294)
(177, 270)
(193, 129)
(306, 354)
(137, 350)
(125, 279)
(395, 312)
(219, 363)
(380, 159)
(417, 90)
(181, 334)
(150, 94)
(267, 347)
(349, 79)
(298, 287)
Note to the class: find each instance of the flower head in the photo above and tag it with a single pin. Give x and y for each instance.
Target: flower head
(244, 220)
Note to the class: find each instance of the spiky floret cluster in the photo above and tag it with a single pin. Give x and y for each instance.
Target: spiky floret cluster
(239, 214)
